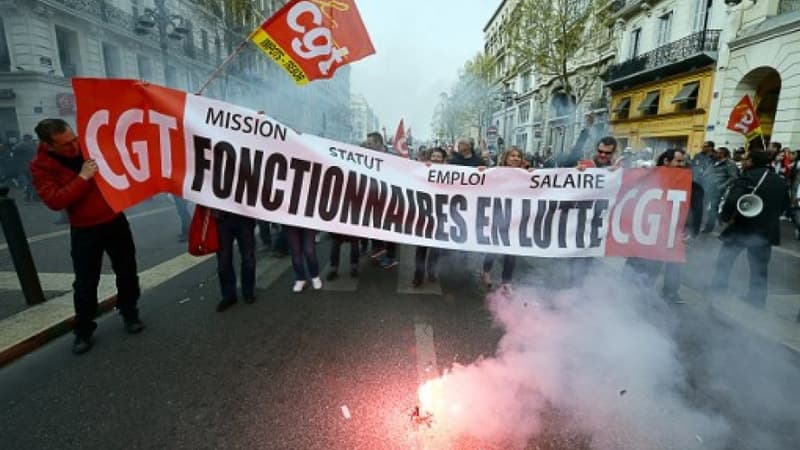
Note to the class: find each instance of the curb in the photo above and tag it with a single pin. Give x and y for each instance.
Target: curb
(59, 328)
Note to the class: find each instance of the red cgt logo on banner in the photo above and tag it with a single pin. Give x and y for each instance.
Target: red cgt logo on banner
(310, 39)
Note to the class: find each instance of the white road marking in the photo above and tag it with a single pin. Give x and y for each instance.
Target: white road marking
(42, 317)
(49, 281)
(54, 234)
(406, 275)
(426, 351)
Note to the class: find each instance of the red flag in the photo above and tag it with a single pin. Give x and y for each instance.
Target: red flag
(743, 119)
(310, 39)
(400, 140)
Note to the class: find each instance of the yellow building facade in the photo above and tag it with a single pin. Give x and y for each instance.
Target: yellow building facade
(667, 113)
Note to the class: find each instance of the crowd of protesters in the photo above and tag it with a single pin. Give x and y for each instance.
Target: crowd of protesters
(64, 181)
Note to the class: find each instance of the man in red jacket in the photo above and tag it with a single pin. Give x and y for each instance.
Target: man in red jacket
(65, 181)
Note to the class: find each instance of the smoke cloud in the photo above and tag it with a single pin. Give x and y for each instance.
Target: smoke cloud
(596, 364)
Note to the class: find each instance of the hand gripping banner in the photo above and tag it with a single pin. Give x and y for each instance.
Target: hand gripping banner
(149, 139)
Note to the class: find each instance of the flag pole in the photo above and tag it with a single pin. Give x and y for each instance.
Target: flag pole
(218, 70)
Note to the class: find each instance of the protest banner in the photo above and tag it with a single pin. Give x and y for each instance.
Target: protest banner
(149, 139)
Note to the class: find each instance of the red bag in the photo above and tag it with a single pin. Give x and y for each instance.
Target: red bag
(203, 238)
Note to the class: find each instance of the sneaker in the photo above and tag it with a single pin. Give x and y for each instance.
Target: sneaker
(377, 253)
(388, 263)
(225, 304)
(354, 272)
(506, 289)
(332, 275)
(674, 298)
(316, 283)
(298, 285)
(82, 344)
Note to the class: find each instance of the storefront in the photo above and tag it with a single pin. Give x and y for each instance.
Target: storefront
(670, 112)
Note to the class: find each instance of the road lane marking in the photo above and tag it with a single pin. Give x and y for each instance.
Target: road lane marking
(37, 319)
(406, 275)
(49, 281)
(54, 234)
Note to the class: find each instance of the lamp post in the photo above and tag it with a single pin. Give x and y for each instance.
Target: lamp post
(507, 97)
(169, 26)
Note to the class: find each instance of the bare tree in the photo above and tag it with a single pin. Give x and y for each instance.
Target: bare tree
(555, 37)
(468, 102)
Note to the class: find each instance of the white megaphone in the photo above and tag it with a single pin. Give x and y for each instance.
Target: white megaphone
(750, 205)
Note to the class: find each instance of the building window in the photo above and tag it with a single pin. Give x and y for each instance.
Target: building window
(664, 28)
(188, 40)
(524, 112)
(636, 36)
(649, 106)
(67, 43)
(526, 81)
(687, 96)
(145, 67)
(623, 109)
(5, 56)
(111, 61)
(522, 141)
(204, 44)
(701, 13)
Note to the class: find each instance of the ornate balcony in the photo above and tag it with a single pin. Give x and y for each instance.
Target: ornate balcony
(693, 51)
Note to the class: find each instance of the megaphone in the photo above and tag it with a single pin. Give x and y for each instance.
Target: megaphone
(750, 205)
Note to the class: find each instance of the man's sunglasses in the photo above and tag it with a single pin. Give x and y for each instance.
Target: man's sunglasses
(605, 153)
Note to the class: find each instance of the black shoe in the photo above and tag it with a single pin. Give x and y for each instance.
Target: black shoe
(134, 326)
(417, 281)
(250, 300)
(82, 344)
(354, 272)
(225, 304)
(332, 275)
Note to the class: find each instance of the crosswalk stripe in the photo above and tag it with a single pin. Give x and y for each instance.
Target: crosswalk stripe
(271, 270)
(49, 281)
(45, 236)
(406, 275)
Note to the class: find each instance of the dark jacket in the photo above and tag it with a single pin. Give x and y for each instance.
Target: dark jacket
(723, 173)
(458, 160)
(764, 229)
(60, 187)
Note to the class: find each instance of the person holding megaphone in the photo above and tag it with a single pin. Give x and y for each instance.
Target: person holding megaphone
(751, 216)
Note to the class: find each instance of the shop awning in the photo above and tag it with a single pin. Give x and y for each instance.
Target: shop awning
(649, 101)
(624, 104)
(687, 93)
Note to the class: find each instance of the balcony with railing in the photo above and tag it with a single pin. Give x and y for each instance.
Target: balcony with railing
(693, 51)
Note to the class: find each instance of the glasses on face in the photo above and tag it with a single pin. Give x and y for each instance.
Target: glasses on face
(605, 153)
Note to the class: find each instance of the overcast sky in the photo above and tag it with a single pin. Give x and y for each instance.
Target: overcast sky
(419, 48)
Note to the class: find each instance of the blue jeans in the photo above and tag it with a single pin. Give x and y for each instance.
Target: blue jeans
(231, 227)
(182, 207)
(304, 252)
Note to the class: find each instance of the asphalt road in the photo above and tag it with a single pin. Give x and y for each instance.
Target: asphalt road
(624, 369)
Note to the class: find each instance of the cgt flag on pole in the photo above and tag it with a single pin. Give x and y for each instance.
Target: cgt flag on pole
(743, 119)
(400, 143)
(310, 39)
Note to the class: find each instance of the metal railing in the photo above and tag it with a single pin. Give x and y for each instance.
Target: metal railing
(682, 49)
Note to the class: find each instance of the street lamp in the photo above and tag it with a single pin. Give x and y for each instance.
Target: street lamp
(170, 26)
(507, 97)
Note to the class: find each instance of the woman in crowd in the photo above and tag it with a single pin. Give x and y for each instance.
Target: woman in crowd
(425, 258)
(303, 249)
(512, 157)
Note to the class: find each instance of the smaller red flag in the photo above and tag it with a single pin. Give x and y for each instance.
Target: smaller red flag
(400, 144)
(743, 119)
(311, 39)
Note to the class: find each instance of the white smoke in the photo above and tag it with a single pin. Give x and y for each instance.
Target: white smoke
(596, 361)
